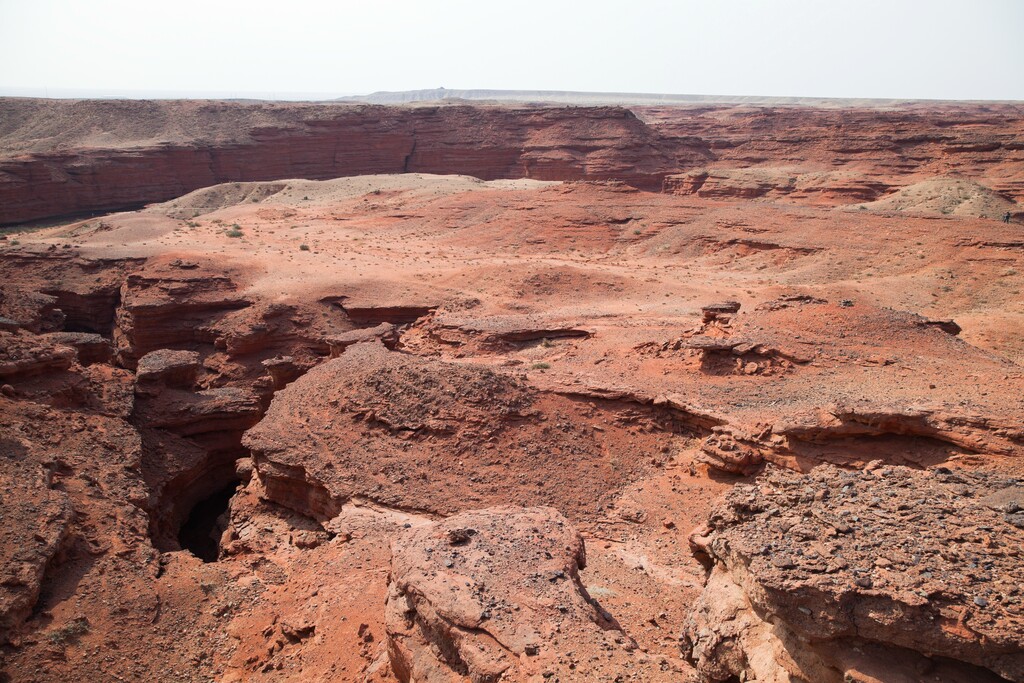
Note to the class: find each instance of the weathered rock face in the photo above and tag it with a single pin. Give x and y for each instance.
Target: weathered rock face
(806, 570)
(837, 156)
(30, 310)
(829, 188)
(386, 333)
(22, 357)
(60, 369)
(495, 595)
(849, 422)
(59, 291)
(166, 368)
(166, 306)
(89, 347)
(497, 333)
(262, 329)
(324, 141)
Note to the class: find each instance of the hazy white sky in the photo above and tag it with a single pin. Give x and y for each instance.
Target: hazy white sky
(948, 49)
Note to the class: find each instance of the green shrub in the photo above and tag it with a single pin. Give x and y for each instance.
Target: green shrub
(70, 632)
(234, 233)
(541, 366)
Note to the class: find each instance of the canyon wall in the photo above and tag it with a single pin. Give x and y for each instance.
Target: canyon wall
(66, 157)
(226, 143)
(855, 152)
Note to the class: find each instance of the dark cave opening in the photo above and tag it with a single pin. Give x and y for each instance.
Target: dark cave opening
(201, 532)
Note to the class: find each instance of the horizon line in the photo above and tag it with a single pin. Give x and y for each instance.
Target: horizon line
(510, 94)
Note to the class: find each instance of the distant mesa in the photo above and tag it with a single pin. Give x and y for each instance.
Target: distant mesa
(609, 98)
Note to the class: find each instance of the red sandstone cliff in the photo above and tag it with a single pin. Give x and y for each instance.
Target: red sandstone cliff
(868, 149)
(146, 152)
(65, 157)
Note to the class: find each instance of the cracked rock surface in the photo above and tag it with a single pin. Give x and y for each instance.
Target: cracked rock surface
(819, 566)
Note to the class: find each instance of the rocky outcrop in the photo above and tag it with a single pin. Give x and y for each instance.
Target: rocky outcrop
(211, 413)
(722, 311)
(89, 347)
(807, 434)
(64, 370)
(31, 310)
(495, 595)
(166, 368)
(385, 333)
(373, 424)
(164, 308)
(380, 314)
(830, 576)
(973, 432)
(500, 331)
(263, 327)
(72, 496)
(22, 356)
(281, 370)
(57, 290)
(778, 183)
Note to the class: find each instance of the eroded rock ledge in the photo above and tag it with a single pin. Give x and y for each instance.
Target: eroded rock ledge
(837, 575)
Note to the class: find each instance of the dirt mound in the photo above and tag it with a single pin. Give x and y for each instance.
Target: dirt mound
(312, 193)
(210, 199)
(945, 196)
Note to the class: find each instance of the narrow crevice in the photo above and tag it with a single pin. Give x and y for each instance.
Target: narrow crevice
(202, 529)
(93, 312)
(408, 157)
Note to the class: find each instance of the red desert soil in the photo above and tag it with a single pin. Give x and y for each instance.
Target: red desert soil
(670, 397)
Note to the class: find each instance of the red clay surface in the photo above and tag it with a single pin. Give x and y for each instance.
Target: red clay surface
(372, 359)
